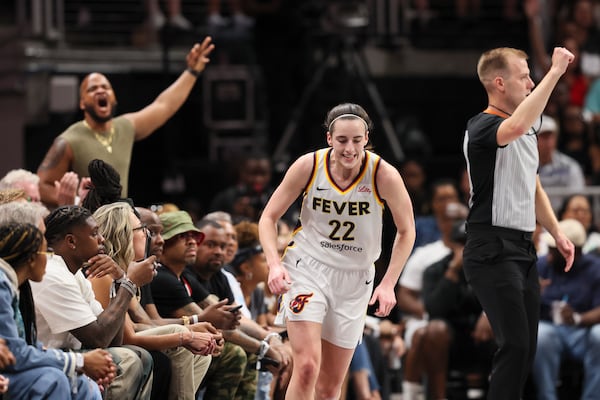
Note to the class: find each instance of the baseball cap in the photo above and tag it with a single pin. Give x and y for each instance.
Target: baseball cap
(572, 229)
(548, 124)
(176, 222)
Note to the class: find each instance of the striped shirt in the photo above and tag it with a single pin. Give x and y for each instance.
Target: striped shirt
(502, 178)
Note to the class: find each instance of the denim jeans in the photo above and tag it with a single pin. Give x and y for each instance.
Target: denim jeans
(557, 341)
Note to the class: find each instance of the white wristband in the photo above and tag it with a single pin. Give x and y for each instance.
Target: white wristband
(577, 319)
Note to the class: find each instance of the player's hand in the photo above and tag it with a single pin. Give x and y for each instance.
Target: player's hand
(386, 298)
(279, 280)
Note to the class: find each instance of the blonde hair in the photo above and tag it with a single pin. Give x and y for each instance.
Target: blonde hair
(115, 226)
(494, 62)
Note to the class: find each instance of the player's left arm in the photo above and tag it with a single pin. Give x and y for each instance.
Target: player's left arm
(391, 189)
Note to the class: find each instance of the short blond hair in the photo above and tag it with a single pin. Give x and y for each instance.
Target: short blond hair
(494, 62)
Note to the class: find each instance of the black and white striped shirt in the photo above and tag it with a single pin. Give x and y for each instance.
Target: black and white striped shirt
(502, 178)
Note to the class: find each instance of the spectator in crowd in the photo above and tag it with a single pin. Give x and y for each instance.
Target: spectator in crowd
(575, 139)
(446, 207)
(125, 240)
(409, 296)
(207, 273)
(556, 170)
(68, 314)
(216, 20)
(36, 372)
(100, 135)
(173, 293)
(576, 81)
(413, 173)
(464, 336)
(248, 196)
(579, 207)
(22, 179)
(570, 315)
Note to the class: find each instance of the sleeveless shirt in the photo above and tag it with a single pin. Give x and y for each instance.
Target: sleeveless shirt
(341, 227)
(86, 147)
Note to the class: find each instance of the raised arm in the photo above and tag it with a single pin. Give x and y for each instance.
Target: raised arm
(153, 116)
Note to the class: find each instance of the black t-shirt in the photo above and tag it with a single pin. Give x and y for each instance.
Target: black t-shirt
(217, 285)
(146, 295)
(171, 293)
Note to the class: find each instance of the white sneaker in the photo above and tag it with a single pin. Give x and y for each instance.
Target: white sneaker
(216, 21)
(181, 22)
(156, 20)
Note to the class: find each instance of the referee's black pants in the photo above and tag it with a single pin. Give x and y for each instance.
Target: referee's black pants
(500, 265)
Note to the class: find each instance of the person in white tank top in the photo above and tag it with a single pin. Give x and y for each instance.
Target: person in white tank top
(326, 274)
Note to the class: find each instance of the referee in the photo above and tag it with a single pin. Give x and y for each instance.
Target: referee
(500, 147)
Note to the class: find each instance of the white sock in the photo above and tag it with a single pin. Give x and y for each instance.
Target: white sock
(412, 391)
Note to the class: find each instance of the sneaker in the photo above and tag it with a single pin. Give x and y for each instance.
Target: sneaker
(181, 22)
(156, 20)
(216, 21)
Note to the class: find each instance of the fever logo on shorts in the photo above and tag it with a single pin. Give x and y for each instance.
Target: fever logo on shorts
(297, 305)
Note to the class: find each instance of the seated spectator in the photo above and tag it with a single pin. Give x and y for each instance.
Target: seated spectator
(36, 372)
(413, 174)
(445, 207)
(579, 207)
(556, 169)
(25, 180)
(67, 312)
(569, 315)
(172, 293)
(450, 302)
(574, 139)
(206, 273)
(251, 272)
(125, 240)
(248, 196)
(409, 298)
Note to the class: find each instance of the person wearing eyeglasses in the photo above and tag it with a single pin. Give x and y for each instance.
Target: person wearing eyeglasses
(126, 239)
(507, 197)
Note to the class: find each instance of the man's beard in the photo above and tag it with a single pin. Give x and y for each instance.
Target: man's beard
(89, 109)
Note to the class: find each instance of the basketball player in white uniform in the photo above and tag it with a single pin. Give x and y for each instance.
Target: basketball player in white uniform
(326, 274)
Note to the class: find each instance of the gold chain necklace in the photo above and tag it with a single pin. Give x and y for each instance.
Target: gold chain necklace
(104, 141)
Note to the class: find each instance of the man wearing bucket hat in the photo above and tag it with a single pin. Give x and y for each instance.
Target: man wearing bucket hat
(171, 293)
(570, 315)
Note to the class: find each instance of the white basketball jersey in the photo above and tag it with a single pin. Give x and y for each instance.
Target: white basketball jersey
(341, 227)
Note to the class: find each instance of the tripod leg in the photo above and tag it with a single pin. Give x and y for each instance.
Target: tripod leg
(373, 93)
(279, 155)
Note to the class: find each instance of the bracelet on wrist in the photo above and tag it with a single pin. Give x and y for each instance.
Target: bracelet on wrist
(79, 362)
(180, 339)
(193, 71)
(273, 335)
(194, 319)
(128, 285)
(186, 320)
(577, 319)
(262, 349)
